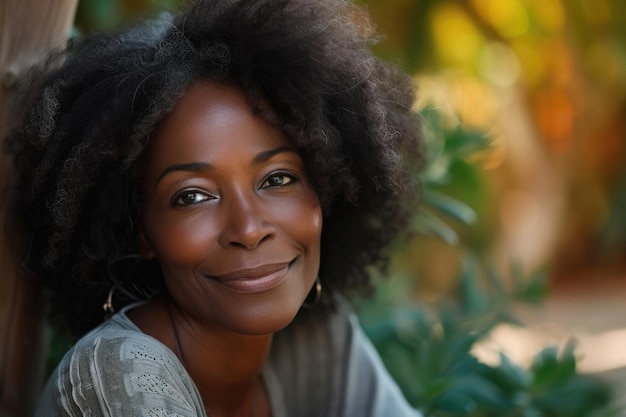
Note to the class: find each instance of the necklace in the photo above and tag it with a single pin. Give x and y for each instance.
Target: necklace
(260, 405)
(179, 348)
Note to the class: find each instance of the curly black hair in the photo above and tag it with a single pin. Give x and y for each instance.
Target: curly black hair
(86, 116)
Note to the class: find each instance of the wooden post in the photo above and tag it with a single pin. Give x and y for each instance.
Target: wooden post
(28, 29)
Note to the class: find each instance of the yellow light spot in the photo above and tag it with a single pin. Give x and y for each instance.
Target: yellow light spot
(499, 65)
(532, 64)
(473, 101)
(456, 38)
(508, 17)
(549, 14)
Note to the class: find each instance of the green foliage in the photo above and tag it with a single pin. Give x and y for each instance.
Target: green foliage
(428, 348)
(58, 346)
(612, 242)
(95, 15)
(446, 166)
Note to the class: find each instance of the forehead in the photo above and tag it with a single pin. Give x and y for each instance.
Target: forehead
(207, 104)
(210, 121)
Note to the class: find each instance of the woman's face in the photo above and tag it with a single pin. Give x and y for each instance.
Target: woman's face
(229, 213)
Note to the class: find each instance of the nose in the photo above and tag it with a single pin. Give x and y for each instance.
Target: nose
(246, 223)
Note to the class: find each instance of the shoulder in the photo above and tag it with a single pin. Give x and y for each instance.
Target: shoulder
(123, 371)
(328, 360)
(317, 340)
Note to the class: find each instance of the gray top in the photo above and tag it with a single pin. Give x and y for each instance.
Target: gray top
(318, 366)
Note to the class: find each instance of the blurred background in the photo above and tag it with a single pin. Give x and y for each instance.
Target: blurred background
(509, 297)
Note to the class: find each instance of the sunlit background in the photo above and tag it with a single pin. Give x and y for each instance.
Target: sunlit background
(524, 104)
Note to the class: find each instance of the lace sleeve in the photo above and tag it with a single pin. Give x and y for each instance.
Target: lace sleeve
(125, 374)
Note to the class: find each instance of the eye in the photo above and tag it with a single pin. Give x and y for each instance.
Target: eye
(278, 179)
(190, 197)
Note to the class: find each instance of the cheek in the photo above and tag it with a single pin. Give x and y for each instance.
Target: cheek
(180, 241)
(305, 222)
(315, 226)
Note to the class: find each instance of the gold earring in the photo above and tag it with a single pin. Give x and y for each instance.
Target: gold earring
(314, 295)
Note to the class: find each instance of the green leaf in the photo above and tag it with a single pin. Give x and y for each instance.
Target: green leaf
(460, 347)
(549, 370)
(462, 143)
(428, 224)
(449, 206)
(509, 376)
(454, 401)
(472, 391)
(435, 388)
(575, 397)
(473, 296)
(531, 288)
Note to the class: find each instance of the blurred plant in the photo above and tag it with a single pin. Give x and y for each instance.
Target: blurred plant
(446, 166)
(108, 14)
(428, 350)
(428, 347)
(612, 239)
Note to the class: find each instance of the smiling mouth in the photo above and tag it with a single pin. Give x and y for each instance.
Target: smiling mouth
(255, 280)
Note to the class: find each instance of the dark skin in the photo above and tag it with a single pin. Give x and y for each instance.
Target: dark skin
(235, 225)
(227, 387)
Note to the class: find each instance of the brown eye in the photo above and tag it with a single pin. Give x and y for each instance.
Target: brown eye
(189, 198)
(278, 180)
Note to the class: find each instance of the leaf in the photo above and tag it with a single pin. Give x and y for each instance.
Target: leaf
(435, 388)
(453, 401)
(462, 143)
(549, 370)
(450, 206)
(459, 350)
(428, 224)
(509, 376)
(471, 392)
(574, 397)
(530, 289)
(474, 298)
(495, 282)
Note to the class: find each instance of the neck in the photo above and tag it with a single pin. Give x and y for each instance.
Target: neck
(230, 382)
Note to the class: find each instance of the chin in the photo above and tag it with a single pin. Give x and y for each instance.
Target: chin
(266, 317)
(261, 323)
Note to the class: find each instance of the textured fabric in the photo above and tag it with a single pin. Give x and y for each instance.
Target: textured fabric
(318, 366)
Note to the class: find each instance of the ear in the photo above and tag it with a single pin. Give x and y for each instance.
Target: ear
(145, 247)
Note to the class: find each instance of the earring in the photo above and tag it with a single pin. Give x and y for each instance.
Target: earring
(108, 305)
(314, 295)
(121, 274)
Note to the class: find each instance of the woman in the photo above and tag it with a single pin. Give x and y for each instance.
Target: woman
(221, 179)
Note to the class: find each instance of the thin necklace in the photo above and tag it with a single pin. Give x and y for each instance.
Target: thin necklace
(259, 396)
(179, 348)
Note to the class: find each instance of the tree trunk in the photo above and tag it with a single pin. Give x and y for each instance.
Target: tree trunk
(28, 28)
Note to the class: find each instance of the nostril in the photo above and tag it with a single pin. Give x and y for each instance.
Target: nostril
(251, 240)
(247, 234)
(245, 221)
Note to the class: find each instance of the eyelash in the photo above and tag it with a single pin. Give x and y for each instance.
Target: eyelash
(292, 178)
(176, 200)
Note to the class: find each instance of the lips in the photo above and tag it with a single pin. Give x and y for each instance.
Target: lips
(254, 280)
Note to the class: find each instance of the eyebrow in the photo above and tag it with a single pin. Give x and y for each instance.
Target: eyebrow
(265, 155)
(191, 166)
(205, 166)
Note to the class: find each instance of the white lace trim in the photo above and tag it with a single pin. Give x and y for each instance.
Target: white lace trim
(155, 384)
(160, 412)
